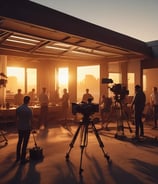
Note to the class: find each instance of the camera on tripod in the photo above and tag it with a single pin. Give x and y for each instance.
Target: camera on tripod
(119, 90)
(87, 109)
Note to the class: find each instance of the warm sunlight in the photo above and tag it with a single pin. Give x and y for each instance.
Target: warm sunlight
(63, 77)
(31, 78)
(88, 77)
(82, 71)
(16, 78)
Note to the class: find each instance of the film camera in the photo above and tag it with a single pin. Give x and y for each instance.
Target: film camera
(119, 90)
(87, 109)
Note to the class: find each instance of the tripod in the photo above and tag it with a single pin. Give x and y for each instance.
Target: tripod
(121, 115)
(83, 127)
(4, 137)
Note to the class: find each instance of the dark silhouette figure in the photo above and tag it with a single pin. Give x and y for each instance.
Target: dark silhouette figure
(32, 94)
(65, 105)
(24, 121)
(139, 104)
(18, 97)
(86, 96)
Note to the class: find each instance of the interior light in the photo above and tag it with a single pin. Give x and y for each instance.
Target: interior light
(24, 38)
(17, 41)
(100, 52)
(57, 48)
(59, 44)
(84, 53)
(84, 49)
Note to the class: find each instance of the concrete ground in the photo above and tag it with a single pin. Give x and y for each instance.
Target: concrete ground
(133, 162)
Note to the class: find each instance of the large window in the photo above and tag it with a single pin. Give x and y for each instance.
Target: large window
(21, 78)
(63, 78)
(16, 79)
(31, 79)
(88, 77)
(131, 83)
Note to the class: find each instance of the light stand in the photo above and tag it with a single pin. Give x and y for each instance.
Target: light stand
(4, 137)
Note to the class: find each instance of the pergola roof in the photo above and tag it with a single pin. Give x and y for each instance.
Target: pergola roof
(29, 29)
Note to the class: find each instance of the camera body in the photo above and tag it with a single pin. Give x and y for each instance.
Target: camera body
(119, 91)
(87, 109)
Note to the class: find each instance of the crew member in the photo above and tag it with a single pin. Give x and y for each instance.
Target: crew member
(86, 96)
(139, 104)
(24, 121)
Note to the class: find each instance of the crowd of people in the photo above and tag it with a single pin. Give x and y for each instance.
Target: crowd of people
(24, 113)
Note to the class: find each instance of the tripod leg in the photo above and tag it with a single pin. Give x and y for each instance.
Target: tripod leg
(73, 142)
(84, 140)
(4, 137)
(120, 124)
(100, 143)
(129, 127)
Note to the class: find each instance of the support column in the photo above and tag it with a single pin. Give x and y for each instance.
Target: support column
(73, 83)
(123, 71)
(3, 69)
(104, 72)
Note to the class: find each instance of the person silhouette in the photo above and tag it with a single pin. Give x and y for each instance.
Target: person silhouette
(18, 97)
(139, 104)
(65, 105)
(86, 96)
(24, 124)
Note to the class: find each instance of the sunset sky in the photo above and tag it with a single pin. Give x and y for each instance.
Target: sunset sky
(135, 18)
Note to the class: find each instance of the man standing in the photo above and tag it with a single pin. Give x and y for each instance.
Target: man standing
(65, 105)
(139, 104)
(86, 96)
(154, 103)
(33, 96)
(18, 97)
(24, 121)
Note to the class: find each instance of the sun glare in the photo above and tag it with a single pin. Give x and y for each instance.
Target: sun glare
(63, 76)
(16, 78)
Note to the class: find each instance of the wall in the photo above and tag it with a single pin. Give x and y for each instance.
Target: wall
(134, 67)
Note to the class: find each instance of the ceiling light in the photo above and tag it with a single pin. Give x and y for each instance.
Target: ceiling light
(24, 38)
(17, 41)
(84, 53)
(59, 44)
(56, 48)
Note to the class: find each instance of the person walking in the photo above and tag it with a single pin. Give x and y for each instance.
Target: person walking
(139, 104)
(24, 123)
